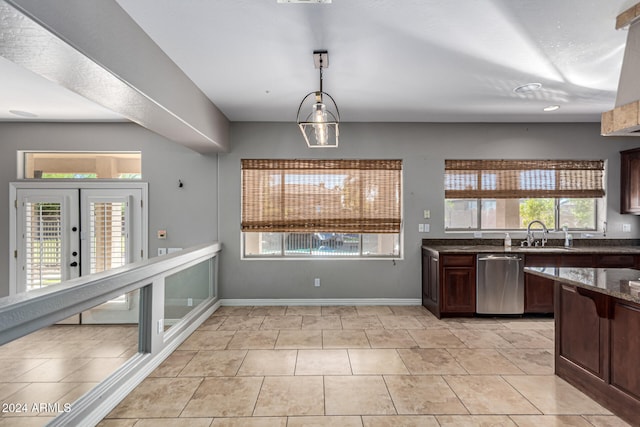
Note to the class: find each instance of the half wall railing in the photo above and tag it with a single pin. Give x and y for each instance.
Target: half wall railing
(174, 294)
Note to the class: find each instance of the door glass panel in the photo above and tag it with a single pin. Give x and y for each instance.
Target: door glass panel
(43, 244)
(108, 235)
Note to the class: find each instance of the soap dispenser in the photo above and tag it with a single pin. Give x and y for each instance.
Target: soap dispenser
(507, 242)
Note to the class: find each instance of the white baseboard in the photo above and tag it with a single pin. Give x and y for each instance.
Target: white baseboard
(320, 301)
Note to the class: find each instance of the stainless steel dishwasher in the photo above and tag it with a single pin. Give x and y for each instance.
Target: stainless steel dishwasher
(500, 284)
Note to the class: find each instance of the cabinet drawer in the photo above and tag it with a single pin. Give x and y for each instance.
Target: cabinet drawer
(617, 261)
(541, 260)
(458, 260)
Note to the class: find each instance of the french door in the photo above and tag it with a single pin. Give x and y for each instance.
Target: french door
(64, 233)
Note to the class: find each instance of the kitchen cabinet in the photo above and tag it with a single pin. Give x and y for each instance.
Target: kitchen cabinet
(580, 329)
(430, 281)
(625, 341)
(449, 283)
(538, 295)
(597, 344)
(630, 181)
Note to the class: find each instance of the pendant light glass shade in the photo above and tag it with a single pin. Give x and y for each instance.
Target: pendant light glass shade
(320, 126)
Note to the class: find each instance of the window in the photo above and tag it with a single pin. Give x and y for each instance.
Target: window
(508, 194)
(326, 208)
(80, 165)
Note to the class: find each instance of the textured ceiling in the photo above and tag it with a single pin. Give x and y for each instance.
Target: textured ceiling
(405, 61)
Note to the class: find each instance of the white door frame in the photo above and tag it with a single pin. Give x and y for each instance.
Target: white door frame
(39, 185)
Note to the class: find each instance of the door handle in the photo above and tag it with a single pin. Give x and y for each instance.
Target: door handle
(73, 264)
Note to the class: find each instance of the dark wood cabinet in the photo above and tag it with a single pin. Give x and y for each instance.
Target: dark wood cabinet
(430, 281)
(538, 295)
(449, 283)
(625, 341)
(578, 338)
(597, 344)
(630, 181)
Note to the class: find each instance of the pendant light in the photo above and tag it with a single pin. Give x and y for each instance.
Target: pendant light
(317, 121)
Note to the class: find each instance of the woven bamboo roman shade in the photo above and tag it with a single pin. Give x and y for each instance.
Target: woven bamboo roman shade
(341, 196)
(514, 179)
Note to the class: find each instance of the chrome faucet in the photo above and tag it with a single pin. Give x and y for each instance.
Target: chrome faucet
(531, 238)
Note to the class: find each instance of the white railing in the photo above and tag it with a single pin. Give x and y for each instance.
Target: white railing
(27, 312)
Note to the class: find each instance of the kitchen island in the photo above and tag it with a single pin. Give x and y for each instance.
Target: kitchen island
(597, 333)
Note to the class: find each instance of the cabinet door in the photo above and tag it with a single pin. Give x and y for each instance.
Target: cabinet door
(630, 182)
(538, 294)
(625, 346)
(434, 280)
(580, 334)
(458, 290)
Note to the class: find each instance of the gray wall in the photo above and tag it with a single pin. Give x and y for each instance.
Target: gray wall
(190, 214)
(423, 148)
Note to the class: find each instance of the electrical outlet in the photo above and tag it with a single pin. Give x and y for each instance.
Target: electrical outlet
(316, 282)
(189, 302)
(426, 228)
(160, 325)
(427, 214)
(626, 228)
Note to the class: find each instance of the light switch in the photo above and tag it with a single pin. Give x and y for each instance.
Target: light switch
(420, 228)
(626, 228)
(426, 228)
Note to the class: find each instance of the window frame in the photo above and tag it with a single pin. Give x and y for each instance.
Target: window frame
(399, 235)
(598, 207)
(528, 179)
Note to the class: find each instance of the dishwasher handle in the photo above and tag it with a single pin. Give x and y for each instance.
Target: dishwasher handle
(500, 258)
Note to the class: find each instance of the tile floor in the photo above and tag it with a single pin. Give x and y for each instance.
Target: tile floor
(57, 365)
(359, 366)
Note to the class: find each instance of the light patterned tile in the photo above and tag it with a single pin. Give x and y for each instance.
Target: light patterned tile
(281, 396)
(400, 421)
(250, 422)
(554, 396)
(526, 339)
(606, 421)
(489, 395)
(475, 421)
(173, 364)
(390, 338)
(550, 421)
(253, 340)
(304, 310)
(481, 338)
(233, 311)
(334, 421)
(423, 394)
(361, 322)
(351, 338)
(207, 340)
(241, 323)
(323, 362)
(400, 322)
(430, 361)
(157, 397)
(281, 322)
(408, 310)
(531, 362)
(268, 362)
(269, 311)
(217, 363)
(484, 361)
(357, 395)
(321, 322)
(224, 397)
(373, 310)
(376, 362)
(435, 338)
(299, 339)
(339, 310)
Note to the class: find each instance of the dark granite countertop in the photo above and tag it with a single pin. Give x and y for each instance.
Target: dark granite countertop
(472, 249)
(609, 281)
(554, 246)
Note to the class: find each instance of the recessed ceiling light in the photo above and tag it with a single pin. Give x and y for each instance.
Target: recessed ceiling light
(529, 87)
(551, 108)
(25, 114)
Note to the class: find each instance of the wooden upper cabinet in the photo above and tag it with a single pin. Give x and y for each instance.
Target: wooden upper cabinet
(630, 181)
